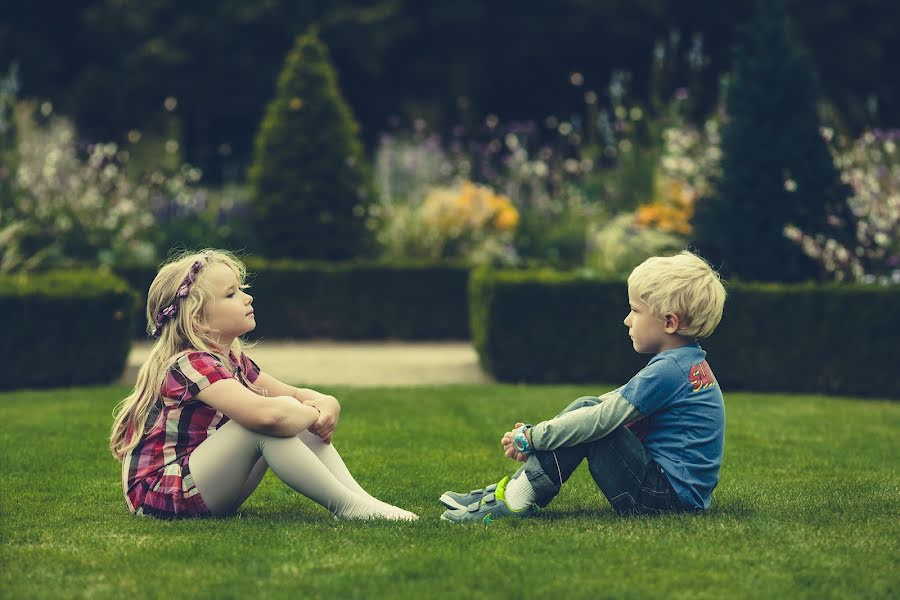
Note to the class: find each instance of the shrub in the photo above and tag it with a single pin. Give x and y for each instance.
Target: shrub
(361, 300)
(309, 181)
(622, 244)
(776, 169)
(459, 222)
(543, 327)
(64, 328)
(72, 207)
(65, 203)
(548, 326)
(864, 247)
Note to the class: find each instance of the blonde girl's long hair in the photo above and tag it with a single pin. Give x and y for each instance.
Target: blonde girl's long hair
(178, 336)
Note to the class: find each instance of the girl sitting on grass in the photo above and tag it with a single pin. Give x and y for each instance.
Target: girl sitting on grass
(203, 423)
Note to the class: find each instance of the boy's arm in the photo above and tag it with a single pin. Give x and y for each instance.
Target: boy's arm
(584, 424)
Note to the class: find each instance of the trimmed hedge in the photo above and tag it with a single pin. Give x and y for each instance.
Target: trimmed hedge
(347, 300)
(543, 327)
(64, 328)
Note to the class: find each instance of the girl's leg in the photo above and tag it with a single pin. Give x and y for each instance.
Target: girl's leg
(222, 466)
(329, 456)
(332, 460)
(253, 480)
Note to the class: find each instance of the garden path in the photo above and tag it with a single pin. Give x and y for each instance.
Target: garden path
(354, 363)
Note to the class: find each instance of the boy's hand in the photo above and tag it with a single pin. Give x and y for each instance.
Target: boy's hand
(509, 451)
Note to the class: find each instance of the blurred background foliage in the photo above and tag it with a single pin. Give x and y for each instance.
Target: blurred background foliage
(108, 64)
(578, 135)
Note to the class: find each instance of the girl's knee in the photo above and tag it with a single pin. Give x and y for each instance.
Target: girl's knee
(236, 434)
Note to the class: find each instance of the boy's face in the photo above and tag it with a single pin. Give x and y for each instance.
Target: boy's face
(648, 332)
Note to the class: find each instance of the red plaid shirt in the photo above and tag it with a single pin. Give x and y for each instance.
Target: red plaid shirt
(156, 475)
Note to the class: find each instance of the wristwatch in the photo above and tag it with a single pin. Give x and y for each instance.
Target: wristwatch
(520, 442)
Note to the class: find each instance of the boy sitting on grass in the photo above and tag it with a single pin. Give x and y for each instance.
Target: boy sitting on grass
(674, 402)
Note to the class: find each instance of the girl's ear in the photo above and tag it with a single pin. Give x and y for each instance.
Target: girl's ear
(672, 323)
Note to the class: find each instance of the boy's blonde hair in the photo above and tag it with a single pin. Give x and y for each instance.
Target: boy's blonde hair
(179, 334)
(685, 285)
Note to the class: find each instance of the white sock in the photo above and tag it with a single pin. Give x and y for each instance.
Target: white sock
(519, 492)
(365, 510)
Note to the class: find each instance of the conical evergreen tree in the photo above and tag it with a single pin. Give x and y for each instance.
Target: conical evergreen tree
(309, 181)
(776, 168)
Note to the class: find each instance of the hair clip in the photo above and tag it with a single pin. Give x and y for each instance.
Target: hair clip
(183, 290)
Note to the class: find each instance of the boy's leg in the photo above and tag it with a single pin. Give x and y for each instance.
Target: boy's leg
(530, 485)
(562, 462)
(619, 464)
(627, 475)
(519, 493)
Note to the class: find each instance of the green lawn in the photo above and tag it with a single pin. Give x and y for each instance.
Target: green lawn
(807, 506)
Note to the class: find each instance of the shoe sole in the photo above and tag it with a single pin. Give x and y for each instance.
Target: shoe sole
(449, 502)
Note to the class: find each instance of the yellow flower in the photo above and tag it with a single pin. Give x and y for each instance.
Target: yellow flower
(467, 208)
(507, 218)
(467, 196)
(665, 217)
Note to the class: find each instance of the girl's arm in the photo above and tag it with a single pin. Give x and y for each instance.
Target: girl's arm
(329, 407)
(280, 416)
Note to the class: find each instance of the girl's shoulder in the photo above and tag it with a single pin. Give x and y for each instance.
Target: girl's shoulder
(191, 371)
(196, 360)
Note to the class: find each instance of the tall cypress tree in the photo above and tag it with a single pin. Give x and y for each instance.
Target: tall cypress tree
(309, 181)
(776, 168)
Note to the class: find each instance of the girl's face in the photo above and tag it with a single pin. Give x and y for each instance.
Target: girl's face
(230, 312)
(646, 330)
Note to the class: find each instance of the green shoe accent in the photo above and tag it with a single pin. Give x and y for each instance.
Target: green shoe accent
(500, 492)
(487, 519)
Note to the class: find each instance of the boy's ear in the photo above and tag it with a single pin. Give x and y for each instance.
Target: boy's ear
(672, 323)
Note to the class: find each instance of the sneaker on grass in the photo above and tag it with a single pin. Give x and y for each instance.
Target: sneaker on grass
(456, 500)
(489, 508)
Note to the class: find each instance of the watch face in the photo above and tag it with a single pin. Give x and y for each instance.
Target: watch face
(519, 442)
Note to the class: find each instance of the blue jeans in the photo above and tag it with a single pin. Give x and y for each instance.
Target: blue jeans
(619, 464)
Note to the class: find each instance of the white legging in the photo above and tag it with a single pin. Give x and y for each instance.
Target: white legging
(229, 464)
